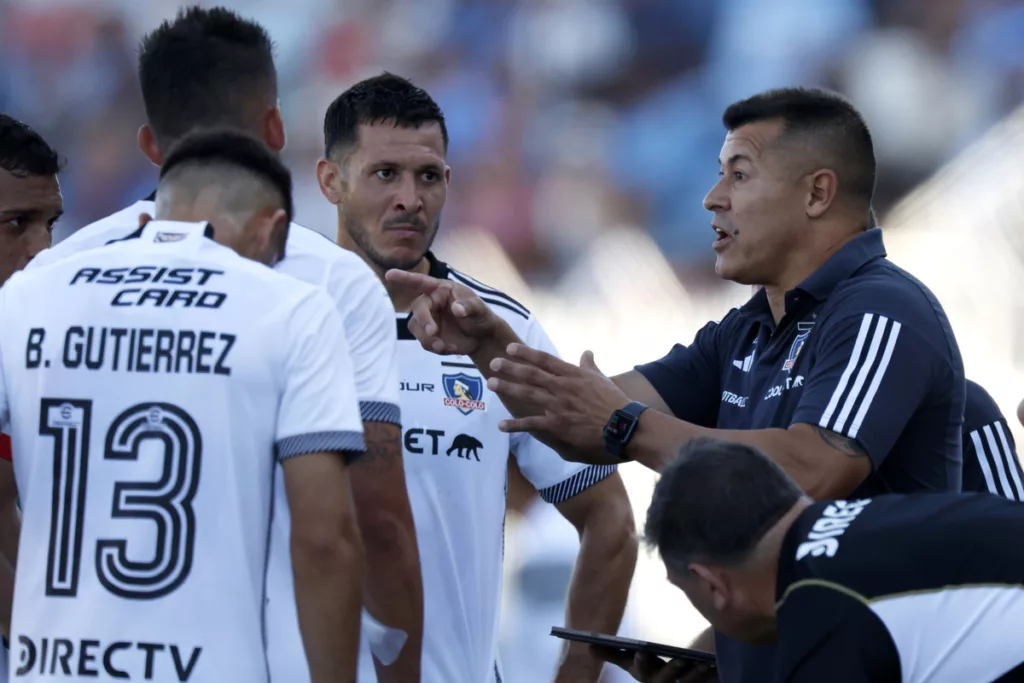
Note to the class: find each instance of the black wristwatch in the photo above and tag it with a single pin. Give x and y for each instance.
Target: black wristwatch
(621, 427)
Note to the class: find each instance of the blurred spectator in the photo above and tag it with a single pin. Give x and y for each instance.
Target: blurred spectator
(568, 117)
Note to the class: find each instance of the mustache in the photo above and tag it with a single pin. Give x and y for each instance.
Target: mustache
(406, 220)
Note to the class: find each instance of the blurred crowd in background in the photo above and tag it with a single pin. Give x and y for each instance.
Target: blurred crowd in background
(584, 135)
(567, 117)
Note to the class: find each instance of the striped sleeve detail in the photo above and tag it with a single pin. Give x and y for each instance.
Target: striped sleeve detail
(864, 372)
(320, 442)
(999, 464)
(489, 294)
(380, 411)
(577, 483)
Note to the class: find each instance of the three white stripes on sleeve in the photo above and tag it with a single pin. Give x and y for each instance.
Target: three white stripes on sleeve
(996, 452)
(990, 442)
(866, 376)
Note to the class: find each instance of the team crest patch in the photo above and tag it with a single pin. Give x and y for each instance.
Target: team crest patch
(464, 392)
(803, 331)
(170, 236)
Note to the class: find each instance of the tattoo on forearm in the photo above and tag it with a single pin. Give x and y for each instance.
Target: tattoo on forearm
(383, 448)
(845, 445)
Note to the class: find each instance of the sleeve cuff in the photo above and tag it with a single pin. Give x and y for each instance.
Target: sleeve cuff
(577, 483)
(380, 411)
(320, 442)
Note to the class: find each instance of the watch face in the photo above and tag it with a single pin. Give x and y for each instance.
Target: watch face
(619, 425)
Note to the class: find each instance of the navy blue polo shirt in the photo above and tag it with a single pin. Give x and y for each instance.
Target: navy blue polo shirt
(990, 454)
(864, 350)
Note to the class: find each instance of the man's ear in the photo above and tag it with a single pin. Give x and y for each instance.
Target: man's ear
(144, 218)
(328, 175)
(278, 237)
(714, 583)
(147, 144)
(823, 191)
(273, 129)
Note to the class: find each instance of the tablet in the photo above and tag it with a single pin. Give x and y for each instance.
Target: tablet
(630, 645)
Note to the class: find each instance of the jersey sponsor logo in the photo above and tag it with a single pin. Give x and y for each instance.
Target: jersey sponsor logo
(464, 392)
(61, 657)
(748, 361)
(779, 389)
(142, 274)
(160, 297)
(803, 331)
(733, 399)
(417, 386)
(823, 539)
(464, 446)
(419, 441)
(170, 236)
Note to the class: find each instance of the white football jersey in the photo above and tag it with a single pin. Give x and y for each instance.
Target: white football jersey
(368, 318)
(150, 388)
(456, 462)
(362, 301)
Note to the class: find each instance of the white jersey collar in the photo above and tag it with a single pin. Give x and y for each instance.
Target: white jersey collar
(170, 232)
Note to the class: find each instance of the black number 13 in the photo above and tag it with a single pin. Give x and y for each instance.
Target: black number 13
(167, 502)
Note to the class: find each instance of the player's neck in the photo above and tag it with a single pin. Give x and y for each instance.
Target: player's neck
(402, 300)
(768, 552)
(804, 261)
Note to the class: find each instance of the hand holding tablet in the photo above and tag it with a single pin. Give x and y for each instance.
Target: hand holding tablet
(643, 660)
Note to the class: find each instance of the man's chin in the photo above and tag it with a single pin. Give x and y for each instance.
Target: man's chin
(400, 259)
(728, 269)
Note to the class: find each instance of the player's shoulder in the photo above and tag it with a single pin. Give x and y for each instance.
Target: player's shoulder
(311, 255)
(979, 408)
(116, 226)
(884, 288)
(516, 314)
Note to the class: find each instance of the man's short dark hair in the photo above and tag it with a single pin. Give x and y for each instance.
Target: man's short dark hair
(386, 98)
(830, 125)
(24, 152)
(715, 503)
(214, 148)
(207, 67)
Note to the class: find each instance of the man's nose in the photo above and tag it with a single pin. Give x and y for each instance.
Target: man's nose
(407, 196)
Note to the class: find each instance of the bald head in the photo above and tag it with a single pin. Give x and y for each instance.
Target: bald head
(233, 182)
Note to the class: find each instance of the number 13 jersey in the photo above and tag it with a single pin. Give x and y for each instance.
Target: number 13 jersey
(150, 388)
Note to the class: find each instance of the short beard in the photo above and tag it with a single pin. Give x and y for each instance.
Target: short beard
(361, 237)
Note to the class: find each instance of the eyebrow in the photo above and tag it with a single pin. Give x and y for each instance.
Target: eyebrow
(733, 159)
(28, 211)
(396, 164)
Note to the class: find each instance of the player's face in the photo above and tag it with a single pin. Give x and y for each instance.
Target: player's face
(757, 203)
(393, 187)
(29, 207)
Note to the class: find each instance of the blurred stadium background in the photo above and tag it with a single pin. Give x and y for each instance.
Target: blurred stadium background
(584, 136)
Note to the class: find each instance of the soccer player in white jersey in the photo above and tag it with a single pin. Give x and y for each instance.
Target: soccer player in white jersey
(30, 205)
(385, 170)
(152, 388)
(208, 66)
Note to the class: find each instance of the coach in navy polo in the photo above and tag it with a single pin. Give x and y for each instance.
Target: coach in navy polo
(842, 368)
